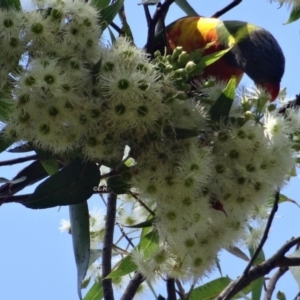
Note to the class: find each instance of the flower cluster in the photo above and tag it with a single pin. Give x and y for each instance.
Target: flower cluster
(72, 93)
(202, 177)
(207, 189)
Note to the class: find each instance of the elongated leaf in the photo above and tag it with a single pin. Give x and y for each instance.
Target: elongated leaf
(211, 58)
(28, 147)
(294, 15)
(186, 7)
(100, 4)
(210, 290)
(112, 36)
(221, 108)
(95, 292)
(14, 181)
(149, 243)
(6, 106)
(33, 173)
(72, 185)
(125, 267)
(10, 4)
(147, 223)
(258, 284)
(79, 218)
(237, 252)
(282, 199)
(48, 161)
(280, 295)
(108, 13)
(181, 133)
(4, 143)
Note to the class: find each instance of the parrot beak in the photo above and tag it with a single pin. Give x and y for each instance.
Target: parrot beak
(273, 89)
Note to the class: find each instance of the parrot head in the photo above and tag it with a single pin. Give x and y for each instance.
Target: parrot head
(261, 58)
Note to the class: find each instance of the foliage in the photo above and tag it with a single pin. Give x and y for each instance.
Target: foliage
(193, 161)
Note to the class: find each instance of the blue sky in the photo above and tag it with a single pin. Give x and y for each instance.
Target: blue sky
(36, 260)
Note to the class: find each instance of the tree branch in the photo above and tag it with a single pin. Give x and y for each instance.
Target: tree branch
(161, 9)
(107, 246)
(171, 289)
(277, 260)
(266, 232)
(272, 283)
(133, 286)
(227, 8)
(18, 160)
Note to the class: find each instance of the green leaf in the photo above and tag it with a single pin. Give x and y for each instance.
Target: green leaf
(217, 261)
(181, 133)
(120, 184)
(108, 13)
(258, 284)
(96, 71)
(48, 161)
(100, 4)
(126, 31)
(10, 4)
(72, 185)
(147, 223)
(112, 36)
(34, 172)
(28, 147)
(211, 58)
(14, 181)
(125, 267)
(221, 108)
(79, 218)
(148, 243)
(280, 296)
(95, 292)
(6, 107)
(4, 142)
(186, 7)
(210, 290)
(294, 15)
(282, 199)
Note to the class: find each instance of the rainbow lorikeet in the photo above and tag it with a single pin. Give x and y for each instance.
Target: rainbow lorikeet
(254, 50)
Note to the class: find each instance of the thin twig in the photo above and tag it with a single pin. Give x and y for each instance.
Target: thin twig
(266, 232)
(181, 291)
(142, 204)
(133, 286)
(116, 28)
(221, 12)
(18, 160)
(170, 282)
(277, 260)
(107, 246)
(272, 283)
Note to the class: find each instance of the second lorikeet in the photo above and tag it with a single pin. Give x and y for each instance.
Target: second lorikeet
(254, 50)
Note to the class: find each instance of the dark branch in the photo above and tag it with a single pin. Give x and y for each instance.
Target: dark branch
(161, 9)
(291, 104)
(116, 28)
(273, 281)
(18, 160)
(277, 260)
(133, 286)
(181, 291)
(266, 232)
(221, 12)
(147, 14)
(171, 289)
(107, 246)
